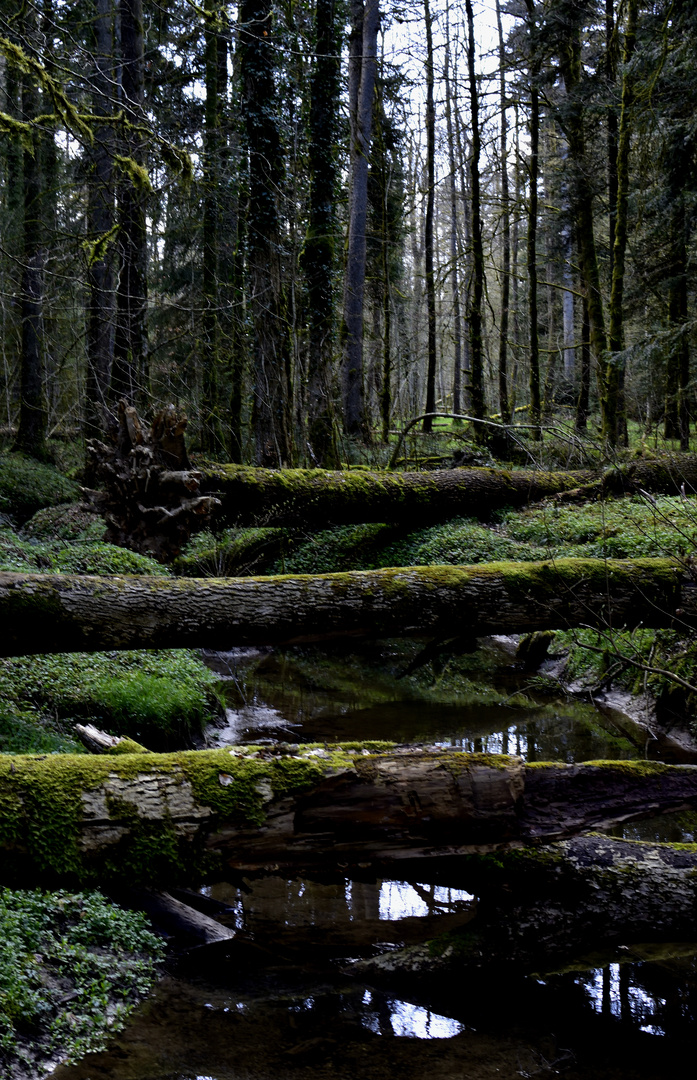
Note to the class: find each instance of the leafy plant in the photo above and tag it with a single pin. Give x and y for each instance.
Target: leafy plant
(76, 948)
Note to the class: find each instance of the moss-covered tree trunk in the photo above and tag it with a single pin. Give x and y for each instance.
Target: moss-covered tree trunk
(429, 249)
(148, 818)
(44, 613)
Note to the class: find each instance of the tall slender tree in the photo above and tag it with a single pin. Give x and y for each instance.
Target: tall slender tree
(365, 22)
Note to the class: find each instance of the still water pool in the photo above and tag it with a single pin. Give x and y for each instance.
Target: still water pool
(279, 1003)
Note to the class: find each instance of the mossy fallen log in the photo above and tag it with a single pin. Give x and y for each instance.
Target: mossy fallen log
(43, 613)
(165, 819)
(316, 497)
(543, 909)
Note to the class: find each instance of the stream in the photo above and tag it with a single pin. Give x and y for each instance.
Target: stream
(279, 1004)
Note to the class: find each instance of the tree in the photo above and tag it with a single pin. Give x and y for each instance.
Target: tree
(365, 22)
(130, 344)
(318, 251)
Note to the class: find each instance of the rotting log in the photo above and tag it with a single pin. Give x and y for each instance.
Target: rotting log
(153, 500)
(315, 498)
(165, 819)
(43, 613)
(543, 909)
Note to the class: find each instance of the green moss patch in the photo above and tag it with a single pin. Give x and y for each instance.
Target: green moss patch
(26, 486)
(72, 967)
(161, 699)
(27, 555)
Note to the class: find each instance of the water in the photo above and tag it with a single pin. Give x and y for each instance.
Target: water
(279, 1005)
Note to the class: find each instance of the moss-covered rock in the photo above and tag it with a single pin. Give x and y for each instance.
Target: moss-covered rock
(26, 486)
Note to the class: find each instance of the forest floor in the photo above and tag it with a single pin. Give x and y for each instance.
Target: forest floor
(166, 700)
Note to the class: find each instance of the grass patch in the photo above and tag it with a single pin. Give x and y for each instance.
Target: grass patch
(162, 699)
(60, 948)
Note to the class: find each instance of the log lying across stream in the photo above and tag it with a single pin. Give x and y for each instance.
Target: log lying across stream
(164, 819)
(43, 613)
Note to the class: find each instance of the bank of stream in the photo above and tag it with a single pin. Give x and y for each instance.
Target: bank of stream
(279, 1001)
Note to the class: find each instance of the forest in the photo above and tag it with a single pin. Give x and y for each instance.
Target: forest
(308, 225)
(348, 467)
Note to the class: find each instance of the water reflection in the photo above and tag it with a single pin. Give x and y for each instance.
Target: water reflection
(306, 695)
(388, 1016)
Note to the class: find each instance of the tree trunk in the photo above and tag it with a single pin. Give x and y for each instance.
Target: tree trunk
(32, 412)
(454, 246)
(130, 344)
(535, 395)
(270, 413)
(318, 253)
(100, 273)
(66, 613)
(211, 431)
(428, 230)
(504, 406)
(541, 909)
(165, 819)
(613, 413)
(365, 22)
(475, 310)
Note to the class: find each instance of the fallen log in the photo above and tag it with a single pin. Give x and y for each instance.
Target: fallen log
(153, 500)
(316, 498)
(43, 613)
(164, 819)
(541, 910)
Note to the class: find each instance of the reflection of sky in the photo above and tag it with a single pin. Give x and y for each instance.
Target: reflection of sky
(602, 987)
(400, 900)
(407, 1020)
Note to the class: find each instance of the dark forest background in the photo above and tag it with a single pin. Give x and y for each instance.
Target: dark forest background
(308, 223)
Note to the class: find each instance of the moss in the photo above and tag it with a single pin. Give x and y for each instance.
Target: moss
(128, 746)
(26, 486)
(162, 698)
(635, 768)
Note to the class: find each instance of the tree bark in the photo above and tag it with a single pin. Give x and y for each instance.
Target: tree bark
(100, 273)
(130, 342)
(429, 254)
(271, 406)
(475, 309)
(539, 909)
(365, 21)
(164, 819)
(318, 252)
(44, 613)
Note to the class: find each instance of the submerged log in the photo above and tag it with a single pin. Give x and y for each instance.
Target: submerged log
(164, 819)
(543, 909)
(42, 613)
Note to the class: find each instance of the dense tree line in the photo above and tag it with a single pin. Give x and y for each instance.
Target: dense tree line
(305, 223)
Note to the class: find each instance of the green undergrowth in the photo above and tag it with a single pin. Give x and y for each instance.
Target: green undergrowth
(234, 552)
(27, 486)
(25, 554)
(162, 699)
(629, 528)
(72, 967)
(639, 661)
